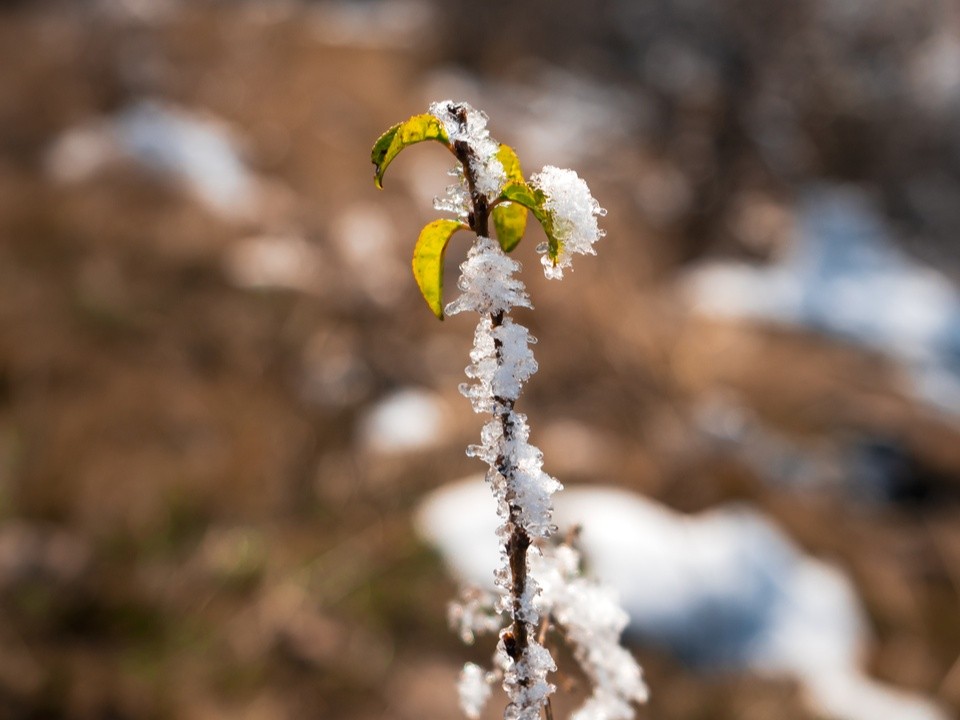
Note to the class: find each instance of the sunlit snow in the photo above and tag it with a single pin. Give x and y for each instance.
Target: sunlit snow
(723, 589)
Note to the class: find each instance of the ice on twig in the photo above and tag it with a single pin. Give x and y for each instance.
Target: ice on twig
(501, 361)
(592, 621)
(465, 124)
(474, 613)
(574, 211)
(487, 282)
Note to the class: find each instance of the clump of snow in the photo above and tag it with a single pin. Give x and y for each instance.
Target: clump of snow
(499, 372)
(574, 213)
(525, 681)
(531, 488)
(198, 149)
(528, 490)
(463, 123)
(487, 282)
(456, 199)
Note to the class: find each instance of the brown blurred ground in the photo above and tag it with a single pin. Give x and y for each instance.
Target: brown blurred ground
(192, 524)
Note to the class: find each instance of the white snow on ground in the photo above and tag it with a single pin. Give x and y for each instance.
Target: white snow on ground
(844, 276)
(273, 261)
(409, 419)
(188, 147)
(723, 589)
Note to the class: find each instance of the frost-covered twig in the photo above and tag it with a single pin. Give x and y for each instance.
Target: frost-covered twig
(534, 581)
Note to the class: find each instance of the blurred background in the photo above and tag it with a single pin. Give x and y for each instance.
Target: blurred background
(222, 399)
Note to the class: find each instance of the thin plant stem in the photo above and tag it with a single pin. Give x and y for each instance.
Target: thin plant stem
(517, 641)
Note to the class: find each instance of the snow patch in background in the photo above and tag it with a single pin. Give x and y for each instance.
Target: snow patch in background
(371, 24)
(273, 261)
(409, 419)
(367, 242)
(843, 276)
(555, 116)
(725, 589)
(194, 149)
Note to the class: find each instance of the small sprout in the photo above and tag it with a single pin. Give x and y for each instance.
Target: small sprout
(531, 581)
(488, 170)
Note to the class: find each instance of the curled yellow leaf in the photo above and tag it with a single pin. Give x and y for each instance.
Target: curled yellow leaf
(428, 260)
(415, 130)
(509, 219)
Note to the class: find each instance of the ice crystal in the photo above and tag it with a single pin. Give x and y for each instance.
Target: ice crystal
(456, 199)
(525, 681)
(487, 281)
(530, 489)
(592, 621)
(463, 123)
(474, 688)
(574, 212)
(474, 613)
(501, 362)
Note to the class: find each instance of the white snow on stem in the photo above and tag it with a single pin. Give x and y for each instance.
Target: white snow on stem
(501, 362)
(487, 282)
(590, 616)
(574, 212)
(463, 123)
(499, 373)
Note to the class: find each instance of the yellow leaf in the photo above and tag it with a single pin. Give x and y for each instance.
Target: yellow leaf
(416, 129)
(428, 260)
(510, 219)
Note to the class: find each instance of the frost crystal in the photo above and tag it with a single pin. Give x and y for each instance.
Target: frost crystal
(465, 124)
(474, 689)
(525, 681)
(487, 282)
(456, 200)
(592, 621)
(498, 378)
(530, 488)
(474, 613)
(574, 211)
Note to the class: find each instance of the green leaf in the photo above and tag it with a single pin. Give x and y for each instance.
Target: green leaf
(510, 219)
(416, 129)
(428, 260)
(535, 201)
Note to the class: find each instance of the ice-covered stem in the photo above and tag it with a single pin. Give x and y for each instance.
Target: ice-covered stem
(516, 643)
(479, 217)
(490, 189)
